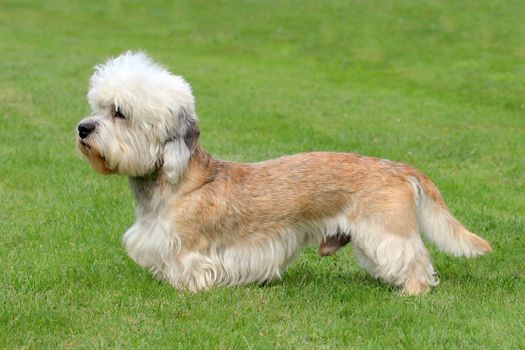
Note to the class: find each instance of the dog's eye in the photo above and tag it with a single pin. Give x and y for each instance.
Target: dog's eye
(119, 114)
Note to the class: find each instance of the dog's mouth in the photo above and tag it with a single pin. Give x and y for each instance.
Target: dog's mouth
(85, 147)
(97, 161)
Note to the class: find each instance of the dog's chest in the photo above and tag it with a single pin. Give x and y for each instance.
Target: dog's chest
(152, 241)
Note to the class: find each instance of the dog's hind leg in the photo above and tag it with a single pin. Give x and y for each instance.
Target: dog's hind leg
(400, 260)
(419, 275)
(389, 245)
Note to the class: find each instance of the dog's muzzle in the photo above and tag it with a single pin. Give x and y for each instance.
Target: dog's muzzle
(85, 129)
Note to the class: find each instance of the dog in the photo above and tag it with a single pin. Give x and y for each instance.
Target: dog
(203, 222)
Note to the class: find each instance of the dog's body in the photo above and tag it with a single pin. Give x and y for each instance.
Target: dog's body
(203, 222)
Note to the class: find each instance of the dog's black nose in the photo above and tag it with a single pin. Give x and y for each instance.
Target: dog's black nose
(84, 129)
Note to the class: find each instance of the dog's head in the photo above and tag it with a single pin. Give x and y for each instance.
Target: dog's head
(143, 117)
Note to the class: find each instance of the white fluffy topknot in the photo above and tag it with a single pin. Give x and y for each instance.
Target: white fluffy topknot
(141, 87)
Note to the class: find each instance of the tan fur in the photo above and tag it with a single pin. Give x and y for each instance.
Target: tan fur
(229, 204)
(244, 200)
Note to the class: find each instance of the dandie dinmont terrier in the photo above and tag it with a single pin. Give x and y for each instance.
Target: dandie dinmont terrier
(203, 222)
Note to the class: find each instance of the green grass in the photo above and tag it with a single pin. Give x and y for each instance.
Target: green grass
(439, 85)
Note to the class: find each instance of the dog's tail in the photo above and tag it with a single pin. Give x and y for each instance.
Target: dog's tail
(439, 225)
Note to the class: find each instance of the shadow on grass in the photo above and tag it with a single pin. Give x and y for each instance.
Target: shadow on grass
(327, 283)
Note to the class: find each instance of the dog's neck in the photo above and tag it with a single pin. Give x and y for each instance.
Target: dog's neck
(148, 192)
(153, 190)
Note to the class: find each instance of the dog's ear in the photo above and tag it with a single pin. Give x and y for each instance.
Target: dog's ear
(176, 158)
(191, 137)
(177, 152)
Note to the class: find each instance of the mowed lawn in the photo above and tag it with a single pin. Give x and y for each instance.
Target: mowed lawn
(437, 84)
